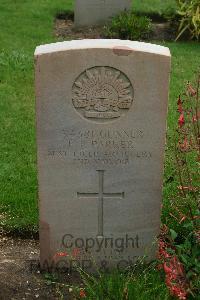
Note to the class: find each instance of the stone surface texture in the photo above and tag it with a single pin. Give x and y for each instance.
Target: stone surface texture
(101, 124)
(94, 12)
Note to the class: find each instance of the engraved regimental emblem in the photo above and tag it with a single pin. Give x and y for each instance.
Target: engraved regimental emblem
(102, 94)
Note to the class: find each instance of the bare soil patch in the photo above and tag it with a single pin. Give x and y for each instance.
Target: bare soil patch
(64, 28)
(20, 276)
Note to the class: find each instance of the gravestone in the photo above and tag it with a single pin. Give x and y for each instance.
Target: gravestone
(94, 12)
(101, 123)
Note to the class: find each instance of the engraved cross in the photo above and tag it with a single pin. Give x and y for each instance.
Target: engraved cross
(101, 195)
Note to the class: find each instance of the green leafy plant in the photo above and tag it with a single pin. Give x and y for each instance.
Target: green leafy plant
(142, 282)
(189, 254)
(179, 246)
(127, 25)
(189, 12)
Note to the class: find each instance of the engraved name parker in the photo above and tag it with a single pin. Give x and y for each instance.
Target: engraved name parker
(105, 146)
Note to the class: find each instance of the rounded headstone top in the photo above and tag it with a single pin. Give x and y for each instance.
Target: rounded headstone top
(102, 44)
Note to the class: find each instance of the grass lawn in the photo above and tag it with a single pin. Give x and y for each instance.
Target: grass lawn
(154, 6)
(24, 25)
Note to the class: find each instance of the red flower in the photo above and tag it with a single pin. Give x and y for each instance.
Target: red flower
(174, 272)
(179, 103)
(167, 269)
(60, 254)
(180, 108)
(181, 120)
(179, 100)
(82, 293)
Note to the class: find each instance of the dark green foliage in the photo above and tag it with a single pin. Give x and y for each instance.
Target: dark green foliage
(188, 253)
(141, 283)
(128, 26)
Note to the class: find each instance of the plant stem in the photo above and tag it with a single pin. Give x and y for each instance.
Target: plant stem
(179, 173)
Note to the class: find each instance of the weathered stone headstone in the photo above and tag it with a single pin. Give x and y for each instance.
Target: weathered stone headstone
(101, 122)
(94, 12)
